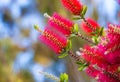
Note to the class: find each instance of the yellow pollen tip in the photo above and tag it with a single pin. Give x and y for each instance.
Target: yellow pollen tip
(37, 28)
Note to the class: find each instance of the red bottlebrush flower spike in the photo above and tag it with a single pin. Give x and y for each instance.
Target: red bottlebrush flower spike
(94, 25)
(92, 71)
(61, 24)
(108, 77)
(55, 41)
(113, 31)
(111, 49)
(94, 56)
(113, 68)
(104, 75)
(73, 5)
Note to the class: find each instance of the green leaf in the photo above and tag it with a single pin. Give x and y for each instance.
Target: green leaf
(69, 45)
(64, 77)
(65, 52)
(95, 39)
(63, 55)
(76, 18)
(79, 63)
(72, 36)
(81, 68)
(84, 10)
(36, 27)
(101, 31)
(97, 31)
(75, 28)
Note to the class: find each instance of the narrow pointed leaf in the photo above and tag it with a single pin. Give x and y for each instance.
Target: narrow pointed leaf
(63, 55)
(84, 10)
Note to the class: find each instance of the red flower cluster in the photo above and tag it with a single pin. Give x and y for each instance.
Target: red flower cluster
(55, 33)
(89, 25)
(92, 71)
(112, 47)
(104, 58)
(54, 40)
(73, 5)
(61, 24)
(94, 56)
(102, 75)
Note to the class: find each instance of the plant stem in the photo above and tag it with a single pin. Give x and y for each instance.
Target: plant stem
(76, 57)
(89, 25)
(85, 38)
(112, 75)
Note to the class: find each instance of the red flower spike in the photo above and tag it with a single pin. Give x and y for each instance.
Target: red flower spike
(88, 29)
(94, 56)
(73, 5)
(113, 30)
(107, 76)
(111, 50)
(55, 41)
(92, 71)
(61, 24)
(113, 67)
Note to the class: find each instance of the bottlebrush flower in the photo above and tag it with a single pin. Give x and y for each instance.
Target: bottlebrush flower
(113, 31)
(111, 49)
(94, 56)
(108, 74)
(91, 71)
(108, 77)
(91, 27)
(111, 52)
(73, 5)
(51, 76)
(103, 75)
(113, 68)
(61, 24)
(55, 41)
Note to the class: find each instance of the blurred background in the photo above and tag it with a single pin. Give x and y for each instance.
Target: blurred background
(23, 56)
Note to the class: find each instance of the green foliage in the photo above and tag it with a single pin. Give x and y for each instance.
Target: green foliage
(71, 36)
(82, 14)
(84, 10)
(95, 39)
(65, 52)
(75, 28)
(8, 52)
(99, 32)
(81, 65)
(76, 18)
(69, 45)
(36, 27)
(64, 77)
(63, 55)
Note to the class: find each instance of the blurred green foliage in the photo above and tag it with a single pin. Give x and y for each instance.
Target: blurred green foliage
(8, 51)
